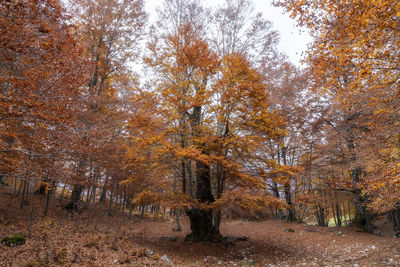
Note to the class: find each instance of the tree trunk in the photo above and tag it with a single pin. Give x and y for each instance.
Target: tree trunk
(275, 191)
(178, 221)
(20, 187)
(217, 221)
(142, 211)
(338, 215)
(290, 209)
(190, 177)
(23, 196)
(395, 218)
(49, 192)
(74, 204)
(334, 214)
(201, 226)
(362, 218)
(3, 180)
(15, 185)
(62, 193)
(201, 221)
(320, 214)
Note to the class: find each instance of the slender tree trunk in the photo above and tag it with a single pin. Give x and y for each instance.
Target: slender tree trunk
(288, 193)
(142, 211)
(178, 221)
(346, 222)
(111, 201)
(338, 215)
(220, 189)
(89, 197)
(15, 185)
(21, 185)
(93, 195)
(190, 177)
(49, 193)
(334, 213)
(23, 196)
(275, 191)
(349, 210)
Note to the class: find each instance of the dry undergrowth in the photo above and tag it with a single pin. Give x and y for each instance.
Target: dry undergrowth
(94, 239)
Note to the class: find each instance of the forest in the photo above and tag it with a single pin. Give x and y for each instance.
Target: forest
(192, 140)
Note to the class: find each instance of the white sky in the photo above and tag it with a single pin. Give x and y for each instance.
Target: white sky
(293, 40)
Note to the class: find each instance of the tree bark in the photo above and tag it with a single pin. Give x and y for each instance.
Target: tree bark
(275, 191)
(320, 214)
(23, 196)
(49, 193)
(74, 204)
(395, 218)
(362, 218)
(201, 221)
(178, 221)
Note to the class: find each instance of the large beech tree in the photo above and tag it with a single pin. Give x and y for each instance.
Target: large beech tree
(213, 111)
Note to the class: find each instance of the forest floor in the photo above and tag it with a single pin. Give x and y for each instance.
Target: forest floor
(95, 239)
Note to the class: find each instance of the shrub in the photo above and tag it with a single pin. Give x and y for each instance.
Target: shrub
(15, 240)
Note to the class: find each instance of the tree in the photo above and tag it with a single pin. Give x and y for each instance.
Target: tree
(354, 58)
(42, 69)
(214, 112)
(111, 32)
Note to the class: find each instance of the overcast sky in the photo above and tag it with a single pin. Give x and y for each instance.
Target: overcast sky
(293, 41)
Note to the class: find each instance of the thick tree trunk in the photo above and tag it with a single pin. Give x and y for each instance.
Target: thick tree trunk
(320, 215)
(103, 195)
(3, 180)
(201, 225)
(362, 218)
(217, 221)
(395, 218)
(74, 204)
(201, 221)
(62, 193)
(290, 209)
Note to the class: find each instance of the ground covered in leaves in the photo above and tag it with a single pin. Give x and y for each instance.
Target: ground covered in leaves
(95, 239)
